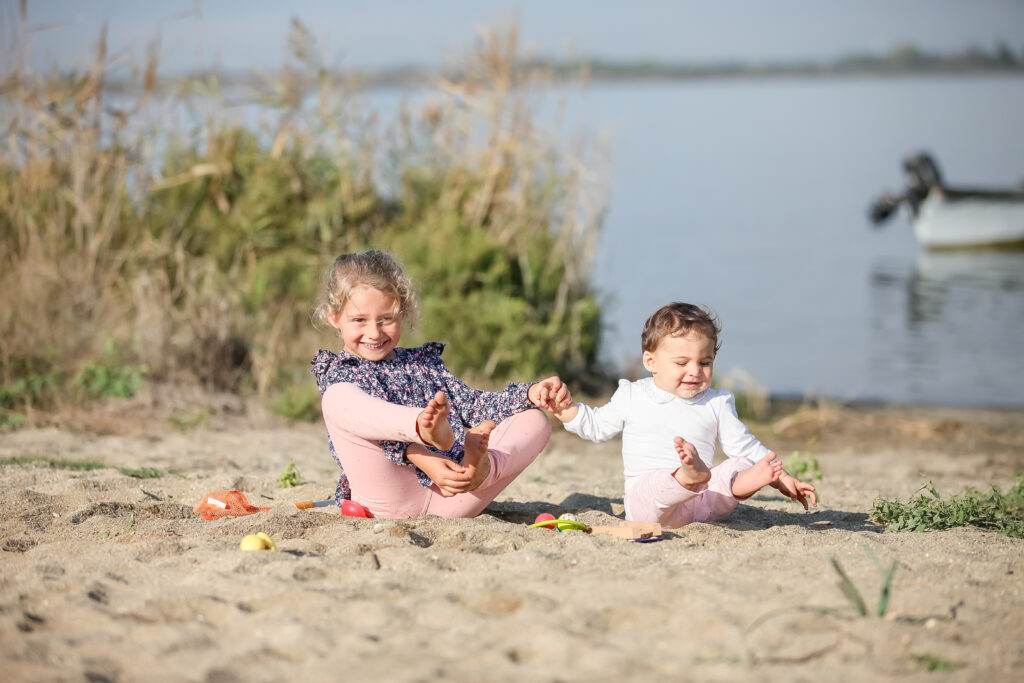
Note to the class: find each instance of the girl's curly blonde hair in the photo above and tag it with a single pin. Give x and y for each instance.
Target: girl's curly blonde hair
(374, 268)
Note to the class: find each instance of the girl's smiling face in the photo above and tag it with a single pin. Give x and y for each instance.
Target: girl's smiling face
(682, 365)
(369, 323)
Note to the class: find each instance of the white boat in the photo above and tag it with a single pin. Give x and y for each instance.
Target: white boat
(945, 217)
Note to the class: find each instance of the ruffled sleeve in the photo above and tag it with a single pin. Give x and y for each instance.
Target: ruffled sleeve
(329, 368)
(474, 406)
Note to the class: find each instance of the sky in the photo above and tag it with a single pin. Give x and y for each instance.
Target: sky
(237, 35)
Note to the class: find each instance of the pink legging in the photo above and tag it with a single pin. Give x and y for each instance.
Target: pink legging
(656, 497)
(357, 422)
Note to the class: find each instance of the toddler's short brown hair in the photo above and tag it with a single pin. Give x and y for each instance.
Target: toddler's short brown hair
(678, 319)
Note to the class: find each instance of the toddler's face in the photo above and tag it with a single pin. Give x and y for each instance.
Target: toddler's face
(682, 365)
(369, 326)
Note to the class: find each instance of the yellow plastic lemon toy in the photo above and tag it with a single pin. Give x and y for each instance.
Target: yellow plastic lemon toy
(257, 541)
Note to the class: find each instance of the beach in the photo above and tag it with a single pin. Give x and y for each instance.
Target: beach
(109, 575)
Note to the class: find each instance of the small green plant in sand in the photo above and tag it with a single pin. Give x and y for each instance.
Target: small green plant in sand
(930, 662)
(141, 472)
(53, 463)
(992, 510)
(853, 595)
(289, 477)
(804, 466)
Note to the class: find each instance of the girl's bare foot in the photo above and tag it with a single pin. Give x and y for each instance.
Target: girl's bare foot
(751, 480)
(432, 423)
(692, 473)
(475, 460)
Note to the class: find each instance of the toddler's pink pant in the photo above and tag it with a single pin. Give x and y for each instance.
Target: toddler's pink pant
(656, 497)
(357, 422)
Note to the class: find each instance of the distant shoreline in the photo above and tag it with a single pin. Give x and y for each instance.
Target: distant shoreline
(898, 64)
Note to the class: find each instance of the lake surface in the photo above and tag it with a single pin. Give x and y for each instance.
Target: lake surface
(750, 196)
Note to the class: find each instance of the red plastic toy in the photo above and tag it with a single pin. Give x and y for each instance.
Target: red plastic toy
(350, 508)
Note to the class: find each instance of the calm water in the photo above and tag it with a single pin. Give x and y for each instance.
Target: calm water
(751, 197)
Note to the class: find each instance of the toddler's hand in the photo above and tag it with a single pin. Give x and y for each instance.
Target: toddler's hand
(550, 394)
(797, 490)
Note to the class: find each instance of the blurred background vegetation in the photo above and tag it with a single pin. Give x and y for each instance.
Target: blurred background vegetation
(149, 235)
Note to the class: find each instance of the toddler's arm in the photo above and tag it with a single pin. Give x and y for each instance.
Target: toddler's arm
(733, 435)
(602, 423)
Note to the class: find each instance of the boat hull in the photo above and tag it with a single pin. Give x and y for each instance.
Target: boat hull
(969, 222)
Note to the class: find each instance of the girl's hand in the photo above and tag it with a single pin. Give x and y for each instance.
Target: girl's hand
(450, 477)
(797, 490)
(550, 394)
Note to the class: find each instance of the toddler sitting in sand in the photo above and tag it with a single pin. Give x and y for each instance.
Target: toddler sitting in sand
(670, 423)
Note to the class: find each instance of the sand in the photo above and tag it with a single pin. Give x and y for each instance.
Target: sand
(109, 577)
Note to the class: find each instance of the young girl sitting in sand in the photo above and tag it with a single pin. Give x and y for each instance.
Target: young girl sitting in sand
(670, 423)
(397, 418)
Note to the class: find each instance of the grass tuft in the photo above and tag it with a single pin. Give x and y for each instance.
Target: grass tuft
(804, 466)
(289, 477)
(853, 595)
(930, 662)
(141, 472)
(992, 510)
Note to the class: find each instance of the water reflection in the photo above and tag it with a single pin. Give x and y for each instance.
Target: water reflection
(948, 327)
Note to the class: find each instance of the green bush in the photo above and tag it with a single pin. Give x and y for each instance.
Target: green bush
(299, 402)
(109, 377)
(198, 248)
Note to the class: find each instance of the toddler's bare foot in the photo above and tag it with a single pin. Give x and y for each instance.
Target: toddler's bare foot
(692, 473)
(475, 460)
(432, 423)
(751, 480)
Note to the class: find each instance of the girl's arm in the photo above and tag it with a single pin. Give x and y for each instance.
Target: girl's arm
(350, 408)
(474, 406)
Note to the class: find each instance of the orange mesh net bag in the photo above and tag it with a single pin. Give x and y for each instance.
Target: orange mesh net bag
(217, 504)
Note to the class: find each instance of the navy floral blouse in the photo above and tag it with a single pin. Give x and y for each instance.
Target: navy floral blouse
(411, 379)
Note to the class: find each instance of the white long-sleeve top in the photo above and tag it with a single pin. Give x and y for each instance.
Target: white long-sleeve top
(650, 418)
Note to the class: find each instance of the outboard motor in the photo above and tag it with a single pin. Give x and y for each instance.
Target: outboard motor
(922, 174)
(884, 207)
